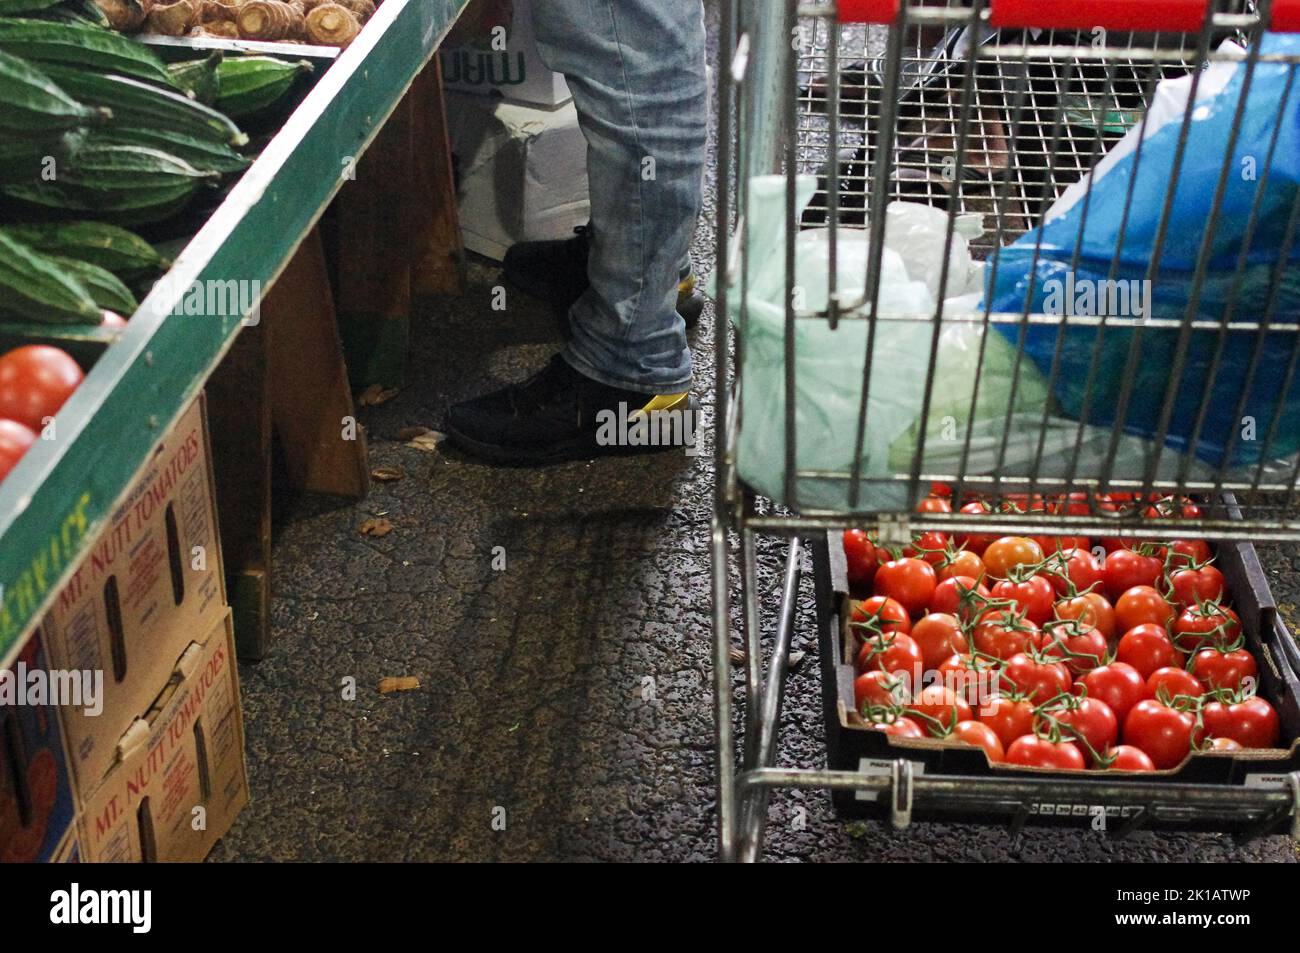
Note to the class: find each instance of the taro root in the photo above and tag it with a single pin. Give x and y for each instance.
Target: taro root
(212, 11)
(125, 16)
(363, 10)
(217, 29)
(171, 19)
(267, 20)
(332, 25)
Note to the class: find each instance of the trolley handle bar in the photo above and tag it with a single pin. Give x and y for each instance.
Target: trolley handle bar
(1148, 16)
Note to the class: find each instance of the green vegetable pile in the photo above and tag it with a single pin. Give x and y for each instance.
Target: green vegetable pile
(98, 133)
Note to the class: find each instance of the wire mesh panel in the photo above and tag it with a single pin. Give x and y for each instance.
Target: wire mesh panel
(988, 263)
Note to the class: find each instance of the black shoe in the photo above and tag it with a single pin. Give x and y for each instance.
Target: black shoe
(556, 272)
(560, 414)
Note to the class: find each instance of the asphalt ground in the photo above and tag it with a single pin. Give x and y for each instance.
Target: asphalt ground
(559, 623)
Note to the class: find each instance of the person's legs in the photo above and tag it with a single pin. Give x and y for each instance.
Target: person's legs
(636, 71)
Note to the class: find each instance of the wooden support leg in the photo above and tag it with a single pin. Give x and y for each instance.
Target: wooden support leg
(311, 403)
(395, 232)
(440, 258)
(239, 418)
(287, 374)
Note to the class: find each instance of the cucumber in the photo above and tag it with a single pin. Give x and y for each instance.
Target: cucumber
(32, 106)
(128, 185)
(34, 288)
(199, 78)
(107, 290)
(249, 84)
(134, 103)
(111, 248)
(201, 153)
(82, 46)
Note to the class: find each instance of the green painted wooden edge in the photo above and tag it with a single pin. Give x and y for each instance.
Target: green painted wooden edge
(63, 490)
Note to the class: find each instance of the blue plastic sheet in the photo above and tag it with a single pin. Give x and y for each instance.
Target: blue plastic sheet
(1035, 274)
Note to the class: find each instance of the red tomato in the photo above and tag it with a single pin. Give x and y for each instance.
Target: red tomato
(1035, 752)
(35, 380)
(1128, 758)
(1186, 552)
(960, 596)
(981, 736)
(15, 440)
(1189, 586)
(1008, 552)
(910, 582)
(1174, 681)
(1119, 685)
(1125, 569)
(938, 635)
(1146, 647)
(899, 728)
(1080, 646)
(1164, 733)
(940, 489)
(1038, 680)
(935, 504)
(1009, 718)
(878, 689)
(1206, 624)
(1091, 608)
(932, 546)
(1076, 567)
(1033, 597)
(962, 563)
(1218, 669)
(861, 557)
(896, 654)
(1140, 605)
(1222, 744)
(1088, 721)
(1004, 634)
(1252, 722)
(976, 542)
(938, 703)
(879, 615)
(971, 677)
(1172, 507)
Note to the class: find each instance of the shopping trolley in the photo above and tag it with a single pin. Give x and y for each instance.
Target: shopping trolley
(1093, 140)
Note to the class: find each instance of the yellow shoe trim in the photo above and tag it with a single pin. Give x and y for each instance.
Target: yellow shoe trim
(686, 287)
(667, 402)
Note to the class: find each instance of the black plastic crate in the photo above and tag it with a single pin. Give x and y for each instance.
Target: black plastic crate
(1239, 791)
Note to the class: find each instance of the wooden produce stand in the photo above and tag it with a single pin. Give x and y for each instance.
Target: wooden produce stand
(287, 372)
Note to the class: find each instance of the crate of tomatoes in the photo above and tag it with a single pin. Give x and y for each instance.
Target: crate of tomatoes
(1057, 677)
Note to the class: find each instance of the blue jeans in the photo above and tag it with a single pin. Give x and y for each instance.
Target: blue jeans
(636, 71)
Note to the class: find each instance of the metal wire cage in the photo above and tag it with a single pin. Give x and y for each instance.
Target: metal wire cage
(1015, 122)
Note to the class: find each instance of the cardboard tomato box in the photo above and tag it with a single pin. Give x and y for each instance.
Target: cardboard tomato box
(1197, 794)
(69, 851)
(37, 803)
(179, 781)
(150, 584)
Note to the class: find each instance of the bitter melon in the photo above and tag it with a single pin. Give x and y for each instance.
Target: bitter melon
(24, 160)
(32, 106)
(82, 46)
(199, 78)
(250, 84)
(203, 154)
(34, 288)
(10, 8)
(108, 246)
(129, 185)
(140, 104)
(102, 285)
